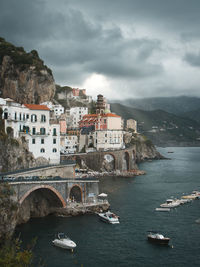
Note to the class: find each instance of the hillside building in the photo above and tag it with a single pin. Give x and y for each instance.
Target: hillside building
(131, 124)
(33, 122)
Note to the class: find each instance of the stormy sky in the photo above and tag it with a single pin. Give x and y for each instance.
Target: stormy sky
(119, 48)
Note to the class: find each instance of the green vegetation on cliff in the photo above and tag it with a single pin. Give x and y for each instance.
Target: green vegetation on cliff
(21, 58)
(13, 255)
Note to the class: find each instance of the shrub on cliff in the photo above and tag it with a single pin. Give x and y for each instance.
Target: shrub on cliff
(21, 58)
(13, 255)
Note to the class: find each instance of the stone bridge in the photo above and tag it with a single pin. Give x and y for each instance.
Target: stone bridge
(62, 191)
(123, 160)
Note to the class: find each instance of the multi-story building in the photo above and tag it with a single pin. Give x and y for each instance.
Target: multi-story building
(76, 114)
(131, 124)
(33, 122)
(57, 110)
(105, 130)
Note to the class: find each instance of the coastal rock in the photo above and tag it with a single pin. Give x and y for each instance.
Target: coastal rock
(8, 210)
(23, 76)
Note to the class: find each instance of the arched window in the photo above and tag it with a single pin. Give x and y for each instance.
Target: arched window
(54, 150)
(54, 131)
(42, 150)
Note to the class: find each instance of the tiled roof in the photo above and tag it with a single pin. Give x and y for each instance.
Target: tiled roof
(101, 115)
(110, 115)
(36, 107)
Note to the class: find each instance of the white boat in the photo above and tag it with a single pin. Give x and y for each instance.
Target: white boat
(162, 209)
(109, 217)
(63, 241)
(170, 203)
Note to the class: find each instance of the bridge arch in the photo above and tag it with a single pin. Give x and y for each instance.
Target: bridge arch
(51, 188)
(76, 193)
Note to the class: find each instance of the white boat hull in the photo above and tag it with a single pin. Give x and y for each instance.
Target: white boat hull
(106, 218)
(66, 244)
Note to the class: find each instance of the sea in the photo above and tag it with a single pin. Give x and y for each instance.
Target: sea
(134, 199)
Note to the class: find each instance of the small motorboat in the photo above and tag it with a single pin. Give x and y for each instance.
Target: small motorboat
(63, 241)
(158, 238)
(109, 217)
(170, 203)
(162, 209)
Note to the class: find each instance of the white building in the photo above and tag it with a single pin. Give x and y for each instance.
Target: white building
(56, 109)
(76, 114)
(71, 143)
(33, 122)
(108, 139)
(131, 124)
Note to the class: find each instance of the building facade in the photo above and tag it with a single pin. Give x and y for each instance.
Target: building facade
(33, 122)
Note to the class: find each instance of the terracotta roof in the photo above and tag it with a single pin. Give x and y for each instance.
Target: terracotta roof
(110, 115)
(36, 107)
(90, 115)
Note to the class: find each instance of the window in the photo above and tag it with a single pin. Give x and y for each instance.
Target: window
(42, 150)
(54, 150)
(33, 118)
(24, 117)
(20, 116)
(42, 130)
(33, 130)
(43, 118)
(42, 141)
(15, 115)
(27, 116)
(33, 141)
(104, 121)
(105, 135)
(54, 131)
(54, 141)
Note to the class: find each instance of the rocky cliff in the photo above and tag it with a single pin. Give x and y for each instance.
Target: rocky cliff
(23, 76)
(8, 210)
(145, 149)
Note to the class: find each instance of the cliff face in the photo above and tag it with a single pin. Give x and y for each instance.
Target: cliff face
(23, 76)
(144, 148)
(9, 212)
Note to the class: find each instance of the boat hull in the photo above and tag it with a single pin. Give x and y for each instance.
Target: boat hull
(108, 220)
(64, 245)
(163, 241)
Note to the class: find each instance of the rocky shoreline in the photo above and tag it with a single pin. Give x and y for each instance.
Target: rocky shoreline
(117, 173)
(75, 209)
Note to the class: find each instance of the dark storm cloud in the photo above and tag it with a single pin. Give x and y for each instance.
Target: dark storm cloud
(122, 40)
(193, 59)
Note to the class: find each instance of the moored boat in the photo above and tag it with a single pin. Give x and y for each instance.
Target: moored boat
(109, 217)
(162, 209)
(158, 238)
(170, 203)
(63, 241)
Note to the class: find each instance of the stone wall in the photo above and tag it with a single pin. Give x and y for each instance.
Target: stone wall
(64, 171)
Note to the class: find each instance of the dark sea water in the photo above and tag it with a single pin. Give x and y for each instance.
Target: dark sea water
(134, 200)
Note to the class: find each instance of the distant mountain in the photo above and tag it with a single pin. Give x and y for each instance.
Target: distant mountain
(194, 114)
(176, 105)
(162, 127)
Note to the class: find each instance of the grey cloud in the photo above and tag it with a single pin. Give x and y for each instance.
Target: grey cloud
(193, 59)
(79, 38)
